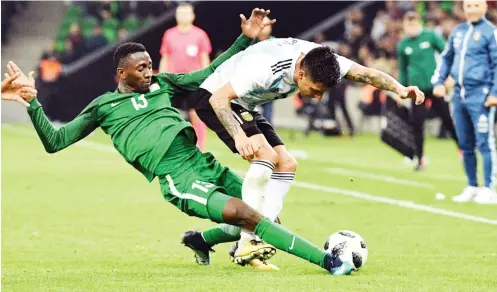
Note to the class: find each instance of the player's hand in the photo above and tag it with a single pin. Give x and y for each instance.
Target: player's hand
(246, 147)
(491, 101)
(256, 23)
(412, 92)
(15, 89)
(440, 90)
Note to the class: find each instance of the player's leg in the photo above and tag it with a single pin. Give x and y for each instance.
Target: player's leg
(284, 173)
(200, 129)
(418, 116)
(236, 212)
(441, 107)
(467, 143)
(279, 184)
(485, 139)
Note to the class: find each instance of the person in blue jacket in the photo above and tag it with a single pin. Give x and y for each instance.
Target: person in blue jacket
(470, 57)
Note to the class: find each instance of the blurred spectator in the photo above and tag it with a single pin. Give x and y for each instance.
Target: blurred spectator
(354, 18)
(122, 34)
(393, 10)
(186, 48)
(319, 37)
(379, 25)
(69, 54)
(96, 40)
(76, 39)
(447, 25)
(50, 67)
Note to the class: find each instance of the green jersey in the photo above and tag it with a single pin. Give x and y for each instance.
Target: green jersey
(142, 126)
(416, 58)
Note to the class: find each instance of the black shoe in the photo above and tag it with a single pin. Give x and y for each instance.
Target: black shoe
(419, 167)
(195, 241)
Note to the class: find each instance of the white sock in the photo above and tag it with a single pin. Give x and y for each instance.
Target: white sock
(253, 188)
(275, 193)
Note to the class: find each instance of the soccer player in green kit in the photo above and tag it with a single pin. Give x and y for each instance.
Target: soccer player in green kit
(154, 138)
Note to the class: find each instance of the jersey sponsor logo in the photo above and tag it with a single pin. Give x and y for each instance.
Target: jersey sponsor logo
(285, 64)
(477, 36)
(424, 45)
(408, 51)
(247, 116)
(116, 103)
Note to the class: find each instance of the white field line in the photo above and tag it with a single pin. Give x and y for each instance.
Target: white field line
(377, 177)
(320, 188)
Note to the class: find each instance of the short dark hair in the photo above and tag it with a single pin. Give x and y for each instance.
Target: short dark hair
(124, 50)
(322, 66)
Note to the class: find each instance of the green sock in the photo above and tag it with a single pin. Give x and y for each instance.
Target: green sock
(285, 240)
(221, 233)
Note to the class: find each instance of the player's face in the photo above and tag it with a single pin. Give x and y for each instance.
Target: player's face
(137, 72)
(185, 15)
(411, 27)
(308, 88)
(474, 10)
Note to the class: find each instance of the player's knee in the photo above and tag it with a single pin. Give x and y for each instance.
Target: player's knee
(268, 154)
(286, 163)
(240, 214)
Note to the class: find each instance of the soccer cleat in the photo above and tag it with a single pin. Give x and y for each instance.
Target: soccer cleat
(467, 195)
(195, 241)
(253, 249)
(339, 263)
(486, 196)
(255, 263)
(419, 167)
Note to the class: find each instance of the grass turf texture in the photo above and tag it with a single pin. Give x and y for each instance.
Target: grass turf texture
(83, 220)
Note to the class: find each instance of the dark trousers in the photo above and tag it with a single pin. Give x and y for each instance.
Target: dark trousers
(338, 99)
(418, 117)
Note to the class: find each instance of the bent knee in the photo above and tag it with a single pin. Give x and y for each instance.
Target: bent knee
(268, 154)
(286, 163)
(239, 213)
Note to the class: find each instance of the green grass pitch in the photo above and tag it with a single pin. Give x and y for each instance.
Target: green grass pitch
(84, 220)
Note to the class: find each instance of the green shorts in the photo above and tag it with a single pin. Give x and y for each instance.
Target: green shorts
(201, 187)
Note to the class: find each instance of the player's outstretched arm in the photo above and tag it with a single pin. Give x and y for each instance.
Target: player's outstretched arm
(250, 29)
(384, 81)
(53, 139)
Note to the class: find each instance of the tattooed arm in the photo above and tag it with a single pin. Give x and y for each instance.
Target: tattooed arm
(378, 79)
(382, 80)
(221, 104)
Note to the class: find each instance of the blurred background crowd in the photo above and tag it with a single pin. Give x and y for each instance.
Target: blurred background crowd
(367, 35)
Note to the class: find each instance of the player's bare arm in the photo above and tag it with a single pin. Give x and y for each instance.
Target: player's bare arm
(382, 80)
(220, 102)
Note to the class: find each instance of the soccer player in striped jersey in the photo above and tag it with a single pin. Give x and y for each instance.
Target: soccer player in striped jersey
(267, 71)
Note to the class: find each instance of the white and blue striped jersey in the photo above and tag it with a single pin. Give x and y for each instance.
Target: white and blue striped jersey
(264, 71)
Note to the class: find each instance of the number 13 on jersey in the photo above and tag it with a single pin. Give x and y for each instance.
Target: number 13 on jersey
(139, 103)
